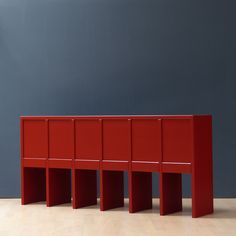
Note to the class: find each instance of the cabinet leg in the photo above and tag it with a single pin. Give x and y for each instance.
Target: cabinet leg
(202, 195)
(33, 187)
(84, 188)
(170, 193)
(140, 191)
(58, 186)
(111, 189)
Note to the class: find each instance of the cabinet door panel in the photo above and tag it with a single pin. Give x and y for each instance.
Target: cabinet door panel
(35, 139)
(116, 140)
(146, 140)
(61, 141)
(177, 140)
(88, 139)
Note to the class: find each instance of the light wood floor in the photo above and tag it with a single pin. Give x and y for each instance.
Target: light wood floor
(36, 219)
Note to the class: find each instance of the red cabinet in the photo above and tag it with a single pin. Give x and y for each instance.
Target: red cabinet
(73, 148)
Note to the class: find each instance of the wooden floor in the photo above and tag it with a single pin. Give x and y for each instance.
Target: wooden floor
(36, 219)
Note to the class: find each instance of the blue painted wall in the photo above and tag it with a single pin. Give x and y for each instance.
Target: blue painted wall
(64, 57)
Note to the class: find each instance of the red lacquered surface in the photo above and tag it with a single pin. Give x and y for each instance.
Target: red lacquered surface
(33, 185)
(111, 189)
(55, 147)
(146, 140)
(177, 136)
(61, 139)
(116, 140)
(58, 186)
(35, 139)
(87, 140)
(202, 176)
(170, 193)
(140, 191)
(84, 184)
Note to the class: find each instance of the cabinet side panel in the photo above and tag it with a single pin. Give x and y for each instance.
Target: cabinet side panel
(202, 173)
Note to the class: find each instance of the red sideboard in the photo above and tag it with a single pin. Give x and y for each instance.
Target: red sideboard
(61, 155)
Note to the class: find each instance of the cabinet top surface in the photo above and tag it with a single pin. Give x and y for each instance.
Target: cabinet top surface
(113, 116)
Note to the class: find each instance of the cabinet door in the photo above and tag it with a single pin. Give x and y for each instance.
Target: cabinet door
(61, 139)
(116, 142)
(146, 140)
(177, 140)
(88, 139)
(35, 139)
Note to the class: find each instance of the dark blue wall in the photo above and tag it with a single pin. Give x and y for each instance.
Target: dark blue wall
(63, 57)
